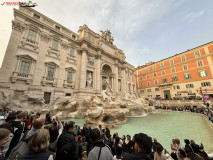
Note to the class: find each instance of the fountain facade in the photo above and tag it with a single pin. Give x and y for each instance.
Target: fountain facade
(68, 74)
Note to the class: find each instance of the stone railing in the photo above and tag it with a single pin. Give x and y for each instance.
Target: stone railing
(181, 103)
(49, 80)
(69, 84)
(21, 76)
(26, 41)
(53, 53)
(165, 84)
(53, 49)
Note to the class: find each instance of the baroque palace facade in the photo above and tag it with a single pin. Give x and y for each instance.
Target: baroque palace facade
(47, 60)
(188, 74)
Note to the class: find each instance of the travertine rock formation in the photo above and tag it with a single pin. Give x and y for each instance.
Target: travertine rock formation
(107, 109)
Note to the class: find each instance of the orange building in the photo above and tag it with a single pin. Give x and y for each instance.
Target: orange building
(180, 75)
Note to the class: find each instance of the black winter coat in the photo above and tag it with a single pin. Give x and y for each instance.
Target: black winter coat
(66, 143)
(35, 156)
(135, 156)
(18, 127)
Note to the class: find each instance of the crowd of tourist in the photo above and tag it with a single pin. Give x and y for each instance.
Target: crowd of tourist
(30, 136)
(208, 112)
(180, 98)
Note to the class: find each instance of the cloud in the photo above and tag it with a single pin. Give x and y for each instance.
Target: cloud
(137, 55)
(192, 16)
(140, 28)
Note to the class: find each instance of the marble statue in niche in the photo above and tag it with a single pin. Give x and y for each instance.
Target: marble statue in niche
(89, 82)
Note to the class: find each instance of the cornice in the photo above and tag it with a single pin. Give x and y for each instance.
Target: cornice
(50, 20)
(69, 38)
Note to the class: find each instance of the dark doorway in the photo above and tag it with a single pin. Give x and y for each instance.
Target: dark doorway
(47, 96)
(68, 94)
(167, 94)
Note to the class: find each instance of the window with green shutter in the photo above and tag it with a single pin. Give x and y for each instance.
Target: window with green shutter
(25, 66)
(50, 74)
(163, 72)
(187, 76)
(171, 62)
(197, 54)
(173, 70)
(164, 80)
(72, 52)
(183, 58)
(69, 77)
(185, 67)
(148, 83)
(174, 78)
(55, 44)
(147, 76)
(32, 35)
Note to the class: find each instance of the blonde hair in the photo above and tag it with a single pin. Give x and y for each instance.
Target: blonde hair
(40, 141)
(4, 133)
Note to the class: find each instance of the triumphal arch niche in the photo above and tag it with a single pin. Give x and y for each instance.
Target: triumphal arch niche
(106, 67)
(47, 60)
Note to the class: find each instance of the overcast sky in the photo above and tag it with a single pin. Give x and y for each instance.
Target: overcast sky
(146, 30)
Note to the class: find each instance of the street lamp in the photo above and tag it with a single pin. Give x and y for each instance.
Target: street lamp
(201, 92)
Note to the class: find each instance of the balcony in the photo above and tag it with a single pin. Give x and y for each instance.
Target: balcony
(69, 84)
(165, 84)
(54, 50)
(21, 76)
(27, 42)
(49, 80)
(54, 53)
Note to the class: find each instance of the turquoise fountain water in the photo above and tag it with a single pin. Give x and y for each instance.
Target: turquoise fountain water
(168, 125)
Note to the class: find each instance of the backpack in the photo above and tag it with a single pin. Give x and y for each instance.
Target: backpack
(69, 151)
(20, 149)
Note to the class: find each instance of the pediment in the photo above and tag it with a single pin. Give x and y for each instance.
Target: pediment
(71, 69)
(51, 63)
(31, 26)
(56, 37)
(28, 57)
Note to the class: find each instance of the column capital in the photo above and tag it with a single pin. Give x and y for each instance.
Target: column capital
(123, 68)
(97, 56)
(84, 47)
(17, 26)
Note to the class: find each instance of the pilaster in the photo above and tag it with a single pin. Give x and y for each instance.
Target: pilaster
(83, 68)
(206, 50)
(10, 55)
(116, 78)
(210, 64)
(209, 59)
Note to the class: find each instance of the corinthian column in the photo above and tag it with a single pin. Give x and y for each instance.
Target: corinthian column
(123, 80)
(98, 71)
(83, 68)
(116, 78)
